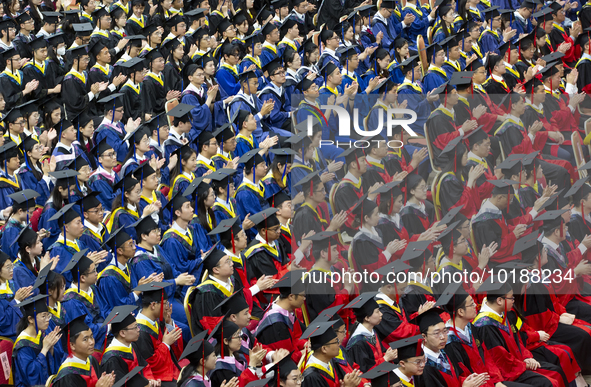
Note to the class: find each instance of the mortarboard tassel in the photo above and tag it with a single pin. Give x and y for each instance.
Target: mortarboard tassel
(222, 343)
(233, 245)
(113, 116)
(391, 205)
(158, 129)
(69, 346)
(35, 316)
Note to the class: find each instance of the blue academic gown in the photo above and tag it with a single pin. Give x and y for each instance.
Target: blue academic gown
(248, 61)
(271, 186)
(434, 78)
(121, 217)
(94, 242)
(250, 200)
(281, 109)
(415, 95)
(100, 183)
(203, 167)
(30, 366)
(29, 181)
(521, 27)
(8, 239)
(183, 253)
(202, 117)
(64, 157)
(325, 57)
(114, 288)
(490, 41)
(204, 241)
(418, 27)
(170, 145)
(378, 25)
(77, 305)
(23, 277)
(451, 68)
(11, 313)
(330, 131)
(114, 138)
(298, 172)
(65, 252)
(49, 225)
(143, 264)
(164, 217)
(267, 55)
(223, 211)
(227, 78)
(8, 186)
(241, 102)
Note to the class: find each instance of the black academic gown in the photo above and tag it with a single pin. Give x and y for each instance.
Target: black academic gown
(154, 95)
(305, 220)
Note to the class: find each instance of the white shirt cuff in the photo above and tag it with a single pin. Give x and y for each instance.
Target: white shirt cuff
(269, 357)
(533, 213)
(571, 89)
(254, 290)
(531, 137)
(430, 18)
(388, 255)
(461, 131)
(90, 96)
(572, 109)
(117, 50)
(135, 296)
(583, 248)
(112, 87)
(260, 116)
(404, 25)
(298, 255)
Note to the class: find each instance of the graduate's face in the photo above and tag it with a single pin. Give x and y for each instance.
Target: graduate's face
(242, 319)
(285, 210)
(69, 134)
(36, 249)
(42, 320)
(17, 126)
(375, 318)
(421, 191)
(479, 76)
(108, 159)
(186, 212)
(461, 246)
(131, 333)
(519, 107)
(297, 300)
(496, 23)
(150, 183)
(153, 237)
(349, 34)
(87, 130)
(209, 363)
(436, 337)
(190, 164)
(312, 93)
(138, 9)
(454, 53)
(539, 95)
(234, 342)
(84, 344)
(230, 145)
(127, 250)
(75, 228)
(293, 379)
(413, 365)
(58, 293)
(133, 196)
(372, 219)
(6, 270)
(469, 310)
(403, 51)
(2, 103)
(91, 275)
(397, 204)
(94, 215)
(164, 131)
(261, 170)
(380, 151)
(278, 76)
(439, 58)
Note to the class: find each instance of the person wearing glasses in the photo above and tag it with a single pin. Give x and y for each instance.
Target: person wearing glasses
(227, 73)
(95, 233)
(439, 370)
(104, 177)
(496, 334)
(67, 149)
(122, 356)
(102, 32)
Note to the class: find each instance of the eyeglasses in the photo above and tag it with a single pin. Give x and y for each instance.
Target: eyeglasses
(109, 155)
(298, 379)
(8, 267)
(133, 328)
(418, 362)
(337, 342)
(441, 333)
(509, 298)
(99, 209)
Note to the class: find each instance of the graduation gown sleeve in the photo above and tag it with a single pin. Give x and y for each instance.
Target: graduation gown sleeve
(202, 310)
(30, 368)
(11, 314)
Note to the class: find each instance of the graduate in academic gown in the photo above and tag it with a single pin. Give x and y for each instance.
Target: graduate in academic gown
(364, 348)
(160, 341)
(416, 207)
(395, 324)
(104, 178)
(148, 179)
(32, 354)
(80, 367)
(436, 75)
(111, 128)
(22, 207)
(212, 291)
(8, 299)
(250, 195)
(246, 99)
(28, 264)
(579, 225)
(323, 294)
(182, 174)
(31, 175)
(202, 360)
(11, 80)
(81, 299)
(77, 92)
(278, 179)
(173, 69)
(206, 147)
(153, 92)
(113, 282)
(462, 347)
(280, 116)
(54, 287)
(227, 73)
(125, 207)
(279, 327)
(496, 334)
(183, 252)
(122, 356)
(133, 105)
(264, 255)
(9, 182)
(35, 70)
(309, 216)
(198, 97)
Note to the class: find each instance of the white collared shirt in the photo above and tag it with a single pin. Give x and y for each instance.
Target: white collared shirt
(472, 155)
(226, 285)
(117, 343)
(373, 160)
(261, 239)
(430, 354)
(486, 308)
(362, 330)
(204, 159)
(350, 176)
(91, 227)
(179, 229)
(384, 297)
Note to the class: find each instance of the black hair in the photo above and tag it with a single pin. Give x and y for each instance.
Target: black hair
(58, 200)
(456, 160)
(22, 324)
(312, 48)
(399, 43)
(118, 201)
(26, 258)
(289, 55)
(178, 168)
(201, 212)
(57, 283)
